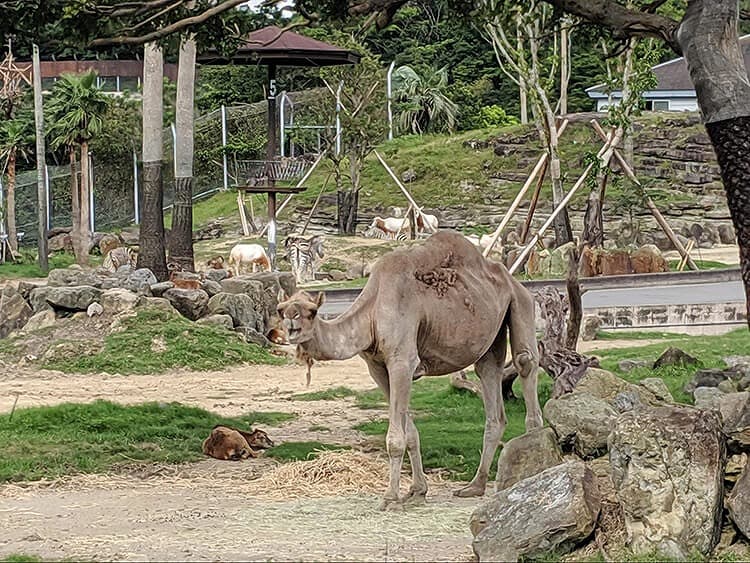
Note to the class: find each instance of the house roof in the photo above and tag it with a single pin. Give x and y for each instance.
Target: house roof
(673, 76)
(272, 45)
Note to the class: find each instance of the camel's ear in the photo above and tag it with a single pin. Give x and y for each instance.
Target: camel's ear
(320, 299)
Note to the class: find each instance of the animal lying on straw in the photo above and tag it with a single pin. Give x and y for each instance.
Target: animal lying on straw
(230, 443)
(246, 255)
(403, 324)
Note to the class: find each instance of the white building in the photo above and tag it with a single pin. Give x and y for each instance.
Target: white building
(674, 91)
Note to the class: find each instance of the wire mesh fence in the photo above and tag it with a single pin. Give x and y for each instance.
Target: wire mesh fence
(225, 140)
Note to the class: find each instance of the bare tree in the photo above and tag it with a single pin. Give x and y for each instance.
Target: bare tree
(532, 20)
(151, 252)
(181, 237)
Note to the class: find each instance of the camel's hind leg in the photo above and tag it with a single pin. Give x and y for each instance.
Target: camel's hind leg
(418, 489)
(525, 352)
(489, 368)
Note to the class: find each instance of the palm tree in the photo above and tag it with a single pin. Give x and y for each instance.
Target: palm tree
(422, 102)
(15, 140)
(76, 110)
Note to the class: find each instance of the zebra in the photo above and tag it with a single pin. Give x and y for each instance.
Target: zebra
(374, 232)
(304, 254)
(120, 256)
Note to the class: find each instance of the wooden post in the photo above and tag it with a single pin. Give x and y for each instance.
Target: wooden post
(417, 209)
(649, 202)
(40, 163)
(317, 200)
(532, 205)
(541, 163)
(243, 218)
(604, 155)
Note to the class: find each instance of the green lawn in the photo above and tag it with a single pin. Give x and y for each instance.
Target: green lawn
(28, 267)
(47, 442)
(154, 341)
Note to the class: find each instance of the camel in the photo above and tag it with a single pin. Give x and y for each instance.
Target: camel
(432, 309)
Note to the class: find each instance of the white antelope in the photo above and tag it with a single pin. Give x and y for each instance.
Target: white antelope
(247, 254)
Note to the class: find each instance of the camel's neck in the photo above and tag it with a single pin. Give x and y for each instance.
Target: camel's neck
(343, 337)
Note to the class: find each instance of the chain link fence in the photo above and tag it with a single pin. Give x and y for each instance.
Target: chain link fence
(223, 139)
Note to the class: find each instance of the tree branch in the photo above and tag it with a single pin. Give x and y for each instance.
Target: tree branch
(623, 21)
(168, 30)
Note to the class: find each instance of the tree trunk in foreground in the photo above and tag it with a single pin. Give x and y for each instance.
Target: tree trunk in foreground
(151, 252)
(82, 257)
(181, 237)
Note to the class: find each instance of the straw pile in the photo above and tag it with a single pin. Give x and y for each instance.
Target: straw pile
(331, 473)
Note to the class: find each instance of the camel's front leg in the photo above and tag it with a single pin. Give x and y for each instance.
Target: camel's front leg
(400, 379)
(418, 489)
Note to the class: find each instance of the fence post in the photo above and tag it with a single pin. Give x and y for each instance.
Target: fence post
(281, 123)
(338, 118)
(174, 148)
(47, 197)
(91, 191)
(224, 145)
(136, 202)
(2, 206)
(388, 99)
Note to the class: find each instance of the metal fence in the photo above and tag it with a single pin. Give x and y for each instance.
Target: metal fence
(221, 148)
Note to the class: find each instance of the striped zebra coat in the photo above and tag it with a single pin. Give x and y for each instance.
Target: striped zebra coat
(304, 255)
(120, 256)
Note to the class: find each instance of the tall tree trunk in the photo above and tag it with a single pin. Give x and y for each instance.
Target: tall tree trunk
(151, 252)
(563, 232)
(85, 202)
(522, 88)
(10, 201)
(564, 66)
(181, 237)
(593, 220)
(75, 204)
(708, 37)
(348, 202)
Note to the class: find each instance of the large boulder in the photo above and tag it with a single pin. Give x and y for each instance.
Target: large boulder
(66, 298)
(738, 503)
(217, 320)
(527, 455)
(239, 306)
(735, 414)
(40, 320)
(209, 286)
(118, 300)
(712, 377)
(216, 275)
(674, 357)
(551, 511)
(581, 421)
(607, 386)
(273, 281)
(14, 312)
(158, 289)
(25, 287)
(647, 260)
(614, 263)
(139, 280)
(69, 277)
(667, 467)
(191, 303)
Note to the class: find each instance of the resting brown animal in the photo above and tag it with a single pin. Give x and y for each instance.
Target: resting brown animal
(230, 443)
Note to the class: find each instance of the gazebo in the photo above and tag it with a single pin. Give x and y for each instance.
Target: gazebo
(274, 47)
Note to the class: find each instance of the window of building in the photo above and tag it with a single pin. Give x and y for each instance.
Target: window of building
(107, 83)
(48, 83)
(129, 83)
(657, 105)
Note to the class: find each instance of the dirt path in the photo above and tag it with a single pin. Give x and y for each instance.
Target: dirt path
(210, 510)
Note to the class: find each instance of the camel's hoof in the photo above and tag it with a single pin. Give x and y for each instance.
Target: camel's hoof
(391, 505)
(415, 499)
(472, 490)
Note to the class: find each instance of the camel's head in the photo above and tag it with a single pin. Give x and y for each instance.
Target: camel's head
(298, 313)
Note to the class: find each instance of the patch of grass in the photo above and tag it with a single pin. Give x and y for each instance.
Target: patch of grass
(47, 442)
(636, 335)
(702, 265)
(709, 350)
(19, 558)
(326, 395)
(28, 267)
(451, 422)
(154, 341)
(300, 451)
(221, 204)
